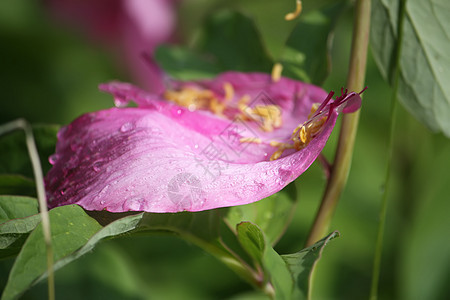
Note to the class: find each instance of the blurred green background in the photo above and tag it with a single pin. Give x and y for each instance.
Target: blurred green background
(49, 74)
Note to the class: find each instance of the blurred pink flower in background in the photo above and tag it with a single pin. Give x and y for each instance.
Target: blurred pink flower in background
(130, 28)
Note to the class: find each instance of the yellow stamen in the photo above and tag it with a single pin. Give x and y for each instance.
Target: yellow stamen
(276, 154)
(229, 91)
(302, 134)
(253, 140)
(282, 146)
(217, 107)
(244, 100)
(298, 9)
(243, 104)
(190, 97)
(314, 108)
(276, 72)
(270, 115)
(296, 130)
(275, 143)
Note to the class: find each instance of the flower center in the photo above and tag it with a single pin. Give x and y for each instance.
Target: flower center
(268, 117)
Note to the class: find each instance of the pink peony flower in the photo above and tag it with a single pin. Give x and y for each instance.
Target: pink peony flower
(132, 27)
(198, 145)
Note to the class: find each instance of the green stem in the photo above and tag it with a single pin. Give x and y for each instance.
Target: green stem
(39, 178)
(344, 151)
(383, 208)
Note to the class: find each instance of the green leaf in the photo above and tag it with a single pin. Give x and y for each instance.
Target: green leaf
(272, 214)
(234, 41)
(279, 274)
(276, 276)
(203, 229)
(306, 55)
(114, 229)
(268, 15)
(185, 64)
(201, 226)
(13, 207)
(14, 154)
(16, 185)
(301, 265)
(78, 225)
(424, 66)
(71, 229)
(18, 217)
(229, 41)
(13, 234)
(252, 239)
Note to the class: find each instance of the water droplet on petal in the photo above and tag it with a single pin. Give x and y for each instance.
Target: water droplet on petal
(177, 112)
(126, 127)
(120, 102)
(53, 159)
(134, 204)
(102, 192)
(284, 176)
(196, 146)
(96, 166)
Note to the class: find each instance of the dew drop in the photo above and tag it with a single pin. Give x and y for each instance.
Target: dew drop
(53, 159)
(96, 166)
(196, 146)
(120, 102)
(134, 204)
(73, 162)
(103, 191)
(126, 127)
(176, 111)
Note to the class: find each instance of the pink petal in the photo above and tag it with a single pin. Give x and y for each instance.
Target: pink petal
(138, 159)
(161, 157)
